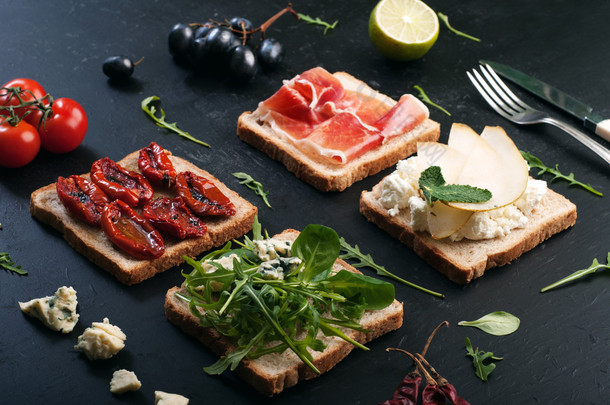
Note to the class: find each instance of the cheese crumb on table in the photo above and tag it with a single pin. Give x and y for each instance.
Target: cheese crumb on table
(101, 341)
(57, 312)
(164, 398)
(123, 381)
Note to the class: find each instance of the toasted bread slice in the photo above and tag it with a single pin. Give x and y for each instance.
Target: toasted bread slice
(272, 373)
(93, 243)
(466, 260)
(325, 175)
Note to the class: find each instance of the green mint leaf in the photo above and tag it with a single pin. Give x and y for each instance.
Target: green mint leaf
(349, 252)
(7, 264)
(432, 183)
(424, 97)
(497, 323)
(580, 273)
(318, 21)
(536, 163)
(444, 18)
(482, 361)
(253, 185)
(148, 106)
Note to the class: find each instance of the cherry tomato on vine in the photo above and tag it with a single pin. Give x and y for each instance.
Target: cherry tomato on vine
(27, 86)
(65, 128)
(19, 144)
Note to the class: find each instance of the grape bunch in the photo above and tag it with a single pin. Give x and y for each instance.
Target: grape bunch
(225, 46)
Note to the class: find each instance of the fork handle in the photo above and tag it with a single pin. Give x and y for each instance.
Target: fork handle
(600, 150)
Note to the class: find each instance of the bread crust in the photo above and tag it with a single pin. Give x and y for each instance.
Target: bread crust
(92, 243)
(272, 373)
(465, 260)
(328, 176)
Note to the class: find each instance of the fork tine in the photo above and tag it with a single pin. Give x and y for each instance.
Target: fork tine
(489, 96)
(503, 90)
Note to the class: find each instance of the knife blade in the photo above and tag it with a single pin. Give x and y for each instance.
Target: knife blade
(558, 98)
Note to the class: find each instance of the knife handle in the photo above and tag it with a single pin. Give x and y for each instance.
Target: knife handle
(603, 129)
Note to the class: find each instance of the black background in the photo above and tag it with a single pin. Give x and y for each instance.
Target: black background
(559, 354)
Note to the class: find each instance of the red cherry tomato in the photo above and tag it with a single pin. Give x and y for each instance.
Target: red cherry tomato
(29, 87)
(65, 128)
(19, 144)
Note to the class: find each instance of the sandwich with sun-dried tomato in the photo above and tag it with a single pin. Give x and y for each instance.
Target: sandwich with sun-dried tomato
(139, 216)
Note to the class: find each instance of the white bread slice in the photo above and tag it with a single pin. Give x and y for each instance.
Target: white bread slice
(272, 373)
(93, 243)
(466, 260)
(325, 175)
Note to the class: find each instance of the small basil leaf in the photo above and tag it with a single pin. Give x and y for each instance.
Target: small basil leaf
(318, 246)
(377, 294)
(497, 323)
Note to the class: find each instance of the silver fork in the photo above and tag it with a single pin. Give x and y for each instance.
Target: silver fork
(508, 105)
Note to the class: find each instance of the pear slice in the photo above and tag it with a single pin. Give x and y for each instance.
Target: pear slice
(444, 220)
(449, 160)
(493, 162)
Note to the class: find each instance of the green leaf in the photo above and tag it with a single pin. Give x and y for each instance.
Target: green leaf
(7, 264)
(497, 323)
(318, 246)
(353, 253)
(536, 163)
(422, 95)
(432, 183)
(481, 360)
(580, 273)
(377, 294)
(254, 185)
(445, 19)
(149, 106)
(318, 21)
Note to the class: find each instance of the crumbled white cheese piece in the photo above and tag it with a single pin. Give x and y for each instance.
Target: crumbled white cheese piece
(269, 249)
(123, 381)
(57, 312)
(276, 269)
(401, 190)
(164, 398)
(226, 262)
(101, 341)
(399, 186)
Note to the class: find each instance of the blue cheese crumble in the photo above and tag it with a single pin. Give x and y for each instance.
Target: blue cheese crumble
(57, 312)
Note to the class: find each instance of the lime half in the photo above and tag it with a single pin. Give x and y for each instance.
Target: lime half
(403, 29)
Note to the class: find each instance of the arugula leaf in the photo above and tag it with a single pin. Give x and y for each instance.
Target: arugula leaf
(479, 360)
(535, 162)
(432, 183)
(444, 18)
(151, 110)
(252, 184)
(318, 21)
(424, 97)
(580, 273)
(7, 264)
(497, 323)
(353, 252)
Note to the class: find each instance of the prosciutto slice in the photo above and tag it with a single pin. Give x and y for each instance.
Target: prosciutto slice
(319, 115)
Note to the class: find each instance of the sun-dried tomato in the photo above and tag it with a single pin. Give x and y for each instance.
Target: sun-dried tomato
(202, 196)
(171, 215)
(82, 198)
(130, 232)
(119, 183)
(156, 165)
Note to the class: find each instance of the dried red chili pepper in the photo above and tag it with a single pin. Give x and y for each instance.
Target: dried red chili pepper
(171, 215)
(446, 387)
(130, 232)
(407, 391)
(156, 166)
(82, 198)
(119, 183)
(202, 196)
